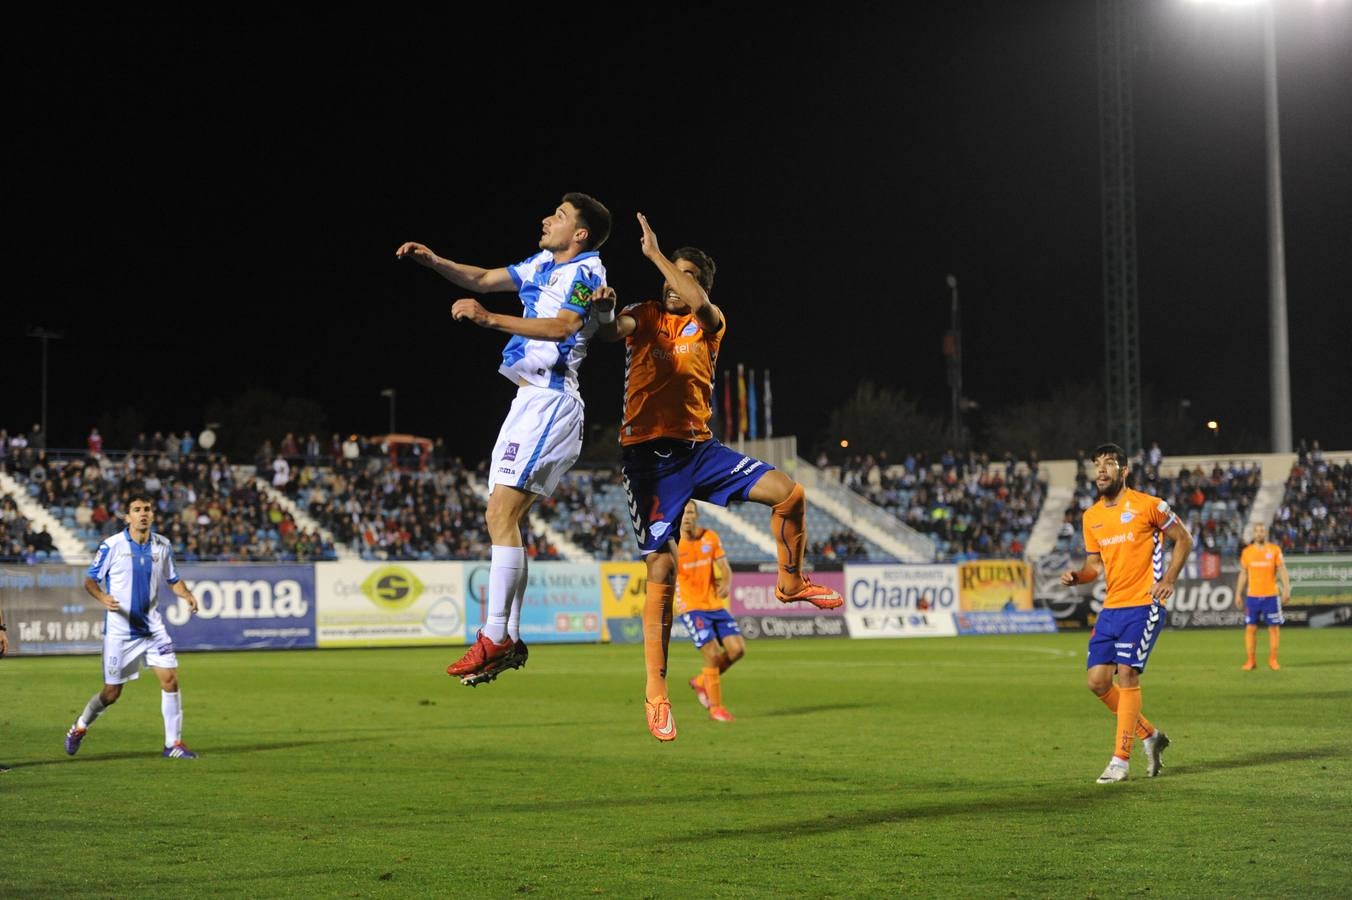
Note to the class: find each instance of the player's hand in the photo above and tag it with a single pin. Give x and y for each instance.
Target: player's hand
(192, 602)
(4, 643)
(1239, 601)
(1068, 578)
(648, 242)
(605, 299)
(1162, 590)
(109, 601)
(416, 252)
(471, 309)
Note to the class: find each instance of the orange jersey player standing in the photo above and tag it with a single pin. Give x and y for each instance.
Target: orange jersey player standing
(670, 456)
(703, 581)
(1124, 534)
(1260, 565)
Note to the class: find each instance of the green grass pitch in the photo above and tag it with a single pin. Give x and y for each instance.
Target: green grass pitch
(944, 767)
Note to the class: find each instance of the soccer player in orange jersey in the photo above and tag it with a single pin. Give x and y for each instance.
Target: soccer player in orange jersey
(1124, 538)
(670, 455)
(1259, 566)
(703, 580)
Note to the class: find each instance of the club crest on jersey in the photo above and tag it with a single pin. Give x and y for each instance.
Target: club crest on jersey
(689, 329)
(659, 528)
(1127, 516)
(706, 548)
(509, 455)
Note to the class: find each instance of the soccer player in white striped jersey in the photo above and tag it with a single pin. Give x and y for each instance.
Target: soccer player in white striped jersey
(542, 435)
(125, 577)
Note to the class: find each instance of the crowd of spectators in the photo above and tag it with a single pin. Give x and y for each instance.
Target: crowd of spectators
(1214, 505)
(383, 510)
(200, 505)
(971, 506)
(587, 509)
(1315, 515)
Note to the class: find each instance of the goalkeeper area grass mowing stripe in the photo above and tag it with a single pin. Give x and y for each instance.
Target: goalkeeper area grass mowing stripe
(939, 767)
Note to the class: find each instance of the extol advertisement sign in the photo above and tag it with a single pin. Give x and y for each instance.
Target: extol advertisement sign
(562, 603)
(362, 604)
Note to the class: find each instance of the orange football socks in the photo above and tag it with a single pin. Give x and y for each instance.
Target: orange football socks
(786, 527)
(657, 637)
(1143, 727)
(1128, 716)
(712, 686)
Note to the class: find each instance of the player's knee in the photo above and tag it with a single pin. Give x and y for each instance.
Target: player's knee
(1099, 683)
(110, 693)
(661, 568)
(736, 652)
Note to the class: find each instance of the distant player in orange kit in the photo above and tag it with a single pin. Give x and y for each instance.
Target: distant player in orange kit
(1259, 565)
(703, 580)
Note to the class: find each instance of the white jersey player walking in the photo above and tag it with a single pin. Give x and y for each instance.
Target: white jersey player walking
(542, 435)
(125, 577)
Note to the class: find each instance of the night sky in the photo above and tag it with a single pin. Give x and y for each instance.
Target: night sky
(208, 203)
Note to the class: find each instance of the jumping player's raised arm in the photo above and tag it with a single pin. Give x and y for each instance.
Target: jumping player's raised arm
(682, 282)
(556, 328)
(471, 278)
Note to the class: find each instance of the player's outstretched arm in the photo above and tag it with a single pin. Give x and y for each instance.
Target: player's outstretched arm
(559, 328)
(471, 278)
(1089, 573)
(612, 327)
(690, 291)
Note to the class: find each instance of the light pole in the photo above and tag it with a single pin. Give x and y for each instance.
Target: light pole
(953, 350)
(390, 392)
(1279, 359)
(46, 335)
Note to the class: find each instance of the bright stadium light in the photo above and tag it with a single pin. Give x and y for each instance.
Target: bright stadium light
(844, 444)
(1279, 359)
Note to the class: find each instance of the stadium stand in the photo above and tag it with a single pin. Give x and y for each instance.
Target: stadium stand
(1315, 513)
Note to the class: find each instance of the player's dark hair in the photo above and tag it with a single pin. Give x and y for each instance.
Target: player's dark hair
(703, 261)
(1112, 450)
(141, 494)
(591, 215)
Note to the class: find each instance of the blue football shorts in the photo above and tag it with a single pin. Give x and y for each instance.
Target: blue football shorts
(662, 476)
(1263, 610)
(1125, 635)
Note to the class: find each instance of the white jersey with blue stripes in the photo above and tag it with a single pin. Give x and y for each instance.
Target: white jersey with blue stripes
(132, 573)
(546, 288)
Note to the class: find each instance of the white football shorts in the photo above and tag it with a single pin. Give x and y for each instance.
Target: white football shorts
(539, 441)
(122, 655)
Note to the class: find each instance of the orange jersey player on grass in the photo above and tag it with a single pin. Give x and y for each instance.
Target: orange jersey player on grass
(1124, 536)
(1260, 565)
(703, 580)
(671, 456)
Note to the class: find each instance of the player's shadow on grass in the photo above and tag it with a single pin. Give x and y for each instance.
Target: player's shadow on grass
(1304, 695)
(1254, 759)
(217, 750)
(813, 710)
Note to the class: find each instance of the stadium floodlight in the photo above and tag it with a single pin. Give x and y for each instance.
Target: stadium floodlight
(1279, 358)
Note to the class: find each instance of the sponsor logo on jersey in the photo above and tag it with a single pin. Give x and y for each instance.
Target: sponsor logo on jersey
(509, 455)
(580, 295)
